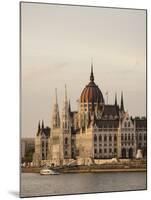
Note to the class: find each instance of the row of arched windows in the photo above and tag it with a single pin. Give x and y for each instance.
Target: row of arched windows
(141, 137)
(104, 138)
(105, 150)
(127, 137)
(44, 145)
(127, 124)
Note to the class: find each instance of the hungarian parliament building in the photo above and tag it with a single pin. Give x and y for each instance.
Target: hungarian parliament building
(95, 131)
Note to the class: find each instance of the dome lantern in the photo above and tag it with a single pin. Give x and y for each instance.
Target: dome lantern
(91, 75)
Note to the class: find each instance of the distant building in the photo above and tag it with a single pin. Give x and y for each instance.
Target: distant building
(27, 145)
(97, 130)
(42, 141)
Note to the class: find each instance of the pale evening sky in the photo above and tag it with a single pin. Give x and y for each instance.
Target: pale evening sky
(58, 43)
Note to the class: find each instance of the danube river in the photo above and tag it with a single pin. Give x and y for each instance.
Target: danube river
(33, 184)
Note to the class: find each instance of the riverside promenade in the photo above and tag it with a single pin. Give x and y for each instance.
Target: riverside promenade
(120, 166)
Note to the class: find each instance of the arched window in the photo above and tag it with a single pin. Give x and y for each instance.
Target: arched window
(72, 141)
(43, 144)
(46, 145)
(66, 140)
(100, 138)
(122, 137)
(43, 156)
(105, 138)
(125, 136)
(95, 138)
(129, 124)
(115, 138)
(140, 136)
(128, 136)
(125, 124)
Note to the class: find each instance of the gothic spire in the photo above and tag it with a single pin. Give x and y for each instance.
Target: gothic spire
(65, 93)
(115, 99)
(122, 102)
(65, 111)
(69, 107)
(42, 124)
(91, 75)
(56, 96)
(39, 126)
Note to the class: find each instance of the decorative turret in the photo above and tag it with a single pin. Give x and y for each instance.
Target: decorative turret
(55, 116)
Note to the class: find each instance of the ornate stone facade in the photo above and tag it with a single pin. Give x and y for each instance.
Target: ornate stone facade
(96, 131)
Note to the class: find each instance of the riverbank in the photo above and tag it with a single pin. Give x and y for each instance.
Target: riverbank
(102, 170)
(87, 169)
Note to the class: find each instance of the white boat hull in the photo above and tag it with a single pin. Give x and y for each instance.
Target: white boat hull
(48, 172)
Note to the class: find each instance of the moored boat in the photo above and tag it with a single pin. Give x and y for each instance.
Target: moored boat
(48, 172)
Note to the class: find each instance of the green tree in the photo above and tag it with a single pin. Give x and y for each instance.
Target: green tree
(29, 155)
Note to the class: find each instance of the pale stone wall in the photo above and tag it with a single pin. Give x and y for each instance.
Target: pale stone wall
(128, 138)
(102, 148)
(37, 155)
(141, 138)
(55, 146)
(66, 144)
(84, 144)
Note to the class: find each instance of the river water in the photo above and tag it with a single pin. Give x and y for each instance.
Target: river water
(33, 184)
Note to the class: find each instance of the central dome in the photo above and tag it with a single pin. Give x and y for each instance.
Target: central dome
(91, 93)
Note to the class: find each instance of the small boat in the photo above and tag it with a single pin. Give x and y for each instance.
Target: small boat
(48, 172)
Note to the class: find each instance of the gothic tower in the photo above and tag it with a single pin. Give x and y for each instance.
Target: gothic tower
(54, 142)
(66, 127)
(55, 116)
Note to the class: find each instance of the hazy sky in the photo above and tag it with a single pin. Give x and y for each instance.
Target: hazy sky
(58, 43)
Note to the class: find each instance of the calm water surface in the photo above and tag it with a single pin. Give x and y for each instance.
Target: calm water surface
(33, 184)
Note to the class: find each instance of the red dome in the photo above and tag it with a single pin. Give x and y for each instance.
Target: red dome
(91, 92)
